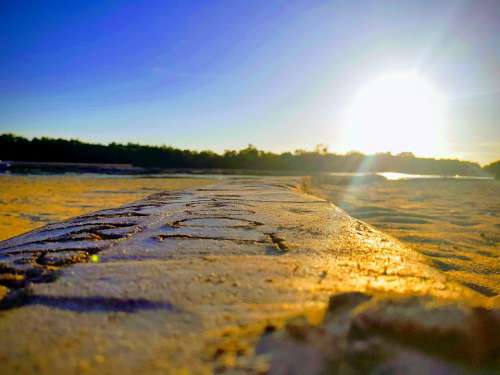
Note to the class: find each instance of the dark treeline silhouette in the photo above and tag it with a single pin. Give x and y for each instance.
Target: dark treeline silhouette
(44, 149)
(494, 169)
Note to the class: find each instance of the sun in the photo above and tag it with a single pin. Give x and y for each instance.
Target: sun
(397, 112)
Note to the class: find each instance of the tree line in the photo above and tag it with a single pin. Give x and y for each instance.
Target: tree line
(44, 149)
(493, 169)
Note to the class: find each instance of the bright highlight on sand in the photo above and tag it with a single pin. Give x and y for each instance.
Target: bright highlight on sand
(397, 112)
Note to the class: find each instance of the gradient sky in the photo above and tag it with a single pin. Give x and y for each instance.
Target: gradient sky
(221, 74)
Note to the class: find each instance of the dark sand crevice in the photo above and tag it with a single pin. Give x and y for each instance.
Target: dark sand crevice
(98, 304)
(39, 256)
(484, 290)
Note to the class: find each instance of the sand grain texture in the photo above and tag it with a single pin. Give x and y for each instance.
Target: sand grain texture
(191, 281)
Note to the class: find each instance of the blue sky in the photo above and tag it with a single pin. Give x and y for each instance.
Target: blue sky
(221, 74)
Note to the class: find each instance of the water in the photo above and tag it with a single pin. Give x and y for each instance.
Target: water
(408, 176)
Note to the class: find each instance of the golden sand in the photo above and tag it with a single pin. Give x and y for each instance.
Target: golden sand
(29, 202)
(455, 223)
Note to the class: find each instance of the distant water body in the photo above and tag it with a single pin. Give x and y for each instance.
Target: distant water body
(406, 176)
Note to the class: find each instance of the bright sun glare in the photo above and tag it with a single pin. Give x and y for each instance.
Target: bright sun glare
(397, 112)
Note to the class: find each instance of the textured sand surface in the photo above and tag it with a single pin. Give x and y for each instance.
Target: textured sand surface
(455, 223)
(29, 202)
(191, 281)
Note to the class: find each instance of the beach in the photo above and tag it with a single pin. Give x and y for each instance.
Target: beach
(32, 201)
(455, 223)
(245, 276)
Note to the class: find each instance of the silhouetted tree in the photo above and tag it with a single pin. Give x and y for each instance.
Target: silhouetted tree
(45, 149)
(494, 169)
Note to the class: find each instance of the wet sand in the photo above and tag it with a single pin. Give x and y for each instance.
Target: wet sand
(32, 201)
(454, 223)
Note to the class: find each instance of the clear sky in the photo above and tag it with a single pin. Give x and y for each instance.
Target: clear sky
(221, 74)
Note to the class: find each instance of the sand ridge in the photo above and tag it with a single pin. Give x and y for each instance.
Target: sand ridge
(190, 281)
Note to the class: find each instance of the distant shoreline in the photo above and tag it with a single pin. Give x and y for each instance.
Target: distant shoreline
(61, 154)
(43, 168)
(26, 167)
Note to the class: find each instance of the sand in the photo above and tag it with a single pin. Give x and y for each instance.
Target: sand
(454, 223)
(204, 280)
(32, 201)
